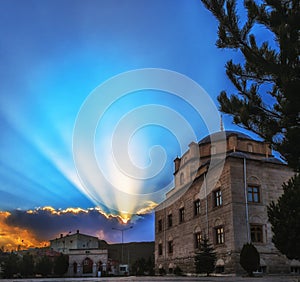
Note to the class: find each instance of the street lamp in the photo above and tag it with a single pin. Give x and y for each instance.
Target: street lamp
(122, 230)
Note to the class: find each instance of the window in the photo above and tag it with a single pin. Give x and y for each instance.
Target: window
(181, 215)
(295, 269)
(170, 220)
(253, 194)
(250, 148)
(218, 198)
(181, 178)
(197, 207)
(159, 225)
(219, 231)
(198, 240)
(170, 247)
(256, 233)
(213, 150)
(160, 249)
(75, 267)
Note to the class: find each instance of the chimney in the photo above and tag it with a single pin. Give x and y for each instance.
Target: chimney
(77, 231)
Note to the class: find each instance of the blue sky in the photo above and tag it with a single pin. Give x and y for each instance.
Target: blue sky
(53, 55)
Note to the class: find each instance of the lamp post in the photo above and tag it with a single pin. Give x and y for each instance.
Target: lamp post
(122, 231)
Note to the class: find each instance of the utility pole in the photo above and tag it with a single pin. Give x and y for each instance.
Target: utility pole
(122, 231)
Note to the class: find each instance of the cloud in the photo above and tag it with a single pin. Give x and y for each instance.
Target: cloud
(36, 227)
(15, 237)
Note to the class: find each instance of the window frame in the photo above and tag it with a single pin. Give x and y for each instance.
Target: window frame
(181, 215)
(170, 247)
(250, 191)
(256, 232)
(198, 239)
(197, 207)
(160, 249)
(219, 236)
(170, 220)
(159, 225)
(217, 198)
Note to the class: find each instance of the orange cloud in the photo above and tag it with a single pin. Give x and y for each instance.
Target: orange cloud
(123, 217)
(14, 238)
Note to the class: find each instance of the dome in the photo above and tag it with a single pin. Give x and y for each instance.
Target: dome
(219, 135)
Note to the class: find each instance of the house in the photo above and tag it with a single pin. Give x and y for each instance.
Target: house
(89, 256)
(85, 256)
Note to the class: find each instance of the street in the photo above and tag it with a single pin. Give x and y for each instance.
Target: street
(269, 278)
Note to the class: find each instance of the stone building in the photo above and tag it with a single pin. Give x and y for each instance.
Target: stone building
(88, 255)
(86, 258)
(222, 187)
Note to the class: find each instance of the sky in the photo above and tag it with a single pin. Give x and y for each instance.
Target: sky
(95, 104)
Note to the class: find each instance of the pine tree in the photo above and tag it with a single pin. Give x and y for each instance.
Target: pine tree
(267, 101)
(249, 258)
(285, 219)
(206, 258)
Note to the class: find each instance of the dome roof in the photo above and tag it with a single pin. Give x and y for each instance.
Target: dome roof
(219, 135)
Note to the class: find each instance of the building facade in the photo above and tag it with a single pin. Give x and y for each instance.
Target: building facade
(89, 256)
(221, 190)
(86, 258)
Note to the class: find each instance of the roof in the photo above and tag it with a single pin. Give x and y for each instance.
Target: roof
(73, 235)
(242, 155)
(219, 136)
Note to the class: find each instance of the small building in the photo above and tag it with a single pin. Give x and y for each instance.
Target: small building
(221, 190)
(85, 256)
(74, 241)
(87, 262)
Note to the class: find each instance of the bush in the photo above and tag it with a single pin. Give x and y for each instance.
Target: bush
(249, 258)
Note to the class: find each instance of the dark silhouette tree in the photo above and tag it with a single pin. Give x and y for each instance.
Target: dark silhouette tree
(139, 266)
(61, 264)
(267, 101)
(11, 265)
(143, 267)
(44, 266)
(249, 258)
(206, 258)
(27, 265)
(285, 219)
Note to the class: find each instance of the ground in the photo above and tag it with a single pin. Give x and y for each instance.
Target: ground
(270, 278)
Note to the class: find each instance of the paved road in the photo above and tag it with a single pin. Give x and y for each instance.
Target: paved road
(165, 278)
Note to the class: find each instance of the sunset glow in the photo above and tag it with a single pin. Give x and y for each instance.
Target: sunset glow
(15, 238)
